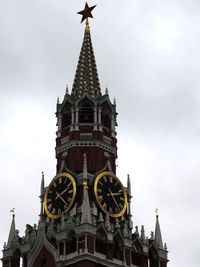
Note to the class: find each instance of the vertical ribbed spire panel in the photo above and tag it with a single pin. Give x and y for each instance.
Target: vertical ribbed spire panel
(86, 77)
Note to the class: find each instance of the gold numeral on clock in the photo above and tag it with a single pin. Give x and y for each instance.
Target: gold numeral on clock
(100, 198)
(50, 206)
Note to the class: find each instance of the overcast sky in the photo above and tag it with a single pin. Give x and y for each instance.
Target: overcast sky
(148, 56)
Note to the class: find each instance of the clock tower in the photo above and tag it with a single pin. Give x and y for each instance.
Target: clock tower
(85, 216)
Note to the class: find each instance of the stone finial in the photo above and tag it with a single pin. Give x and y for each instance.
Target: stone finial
(126, 232)
(152, 235)
(117, 225)
(142, 234)
(100, 220)
(107, 222)
(67, 89)
(136, 233)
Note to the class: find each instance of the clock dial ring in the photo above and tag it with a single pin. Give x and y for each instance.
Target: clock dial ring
(59, 195)
(110, 194)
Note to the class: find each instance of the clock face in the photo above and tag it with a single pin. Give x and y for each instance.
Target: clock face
(60, 195)
(110, 194)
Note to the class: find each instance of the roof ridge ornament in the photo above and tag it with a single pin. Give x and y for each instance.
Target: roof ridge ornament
(86, 13)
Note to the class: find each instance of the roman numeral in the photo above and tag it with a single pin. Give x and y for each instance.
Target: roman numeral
(121, 198)
(54, 184)
(111, 179)
(100, 198)
(48, 200)
(50, 206)
(99, 190)
(60, 180)
(59, 211)
(70, 191)
(53, 211)
(121, 205)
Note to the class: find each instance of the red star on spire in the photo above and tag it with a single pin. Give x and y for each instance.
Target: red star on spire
(87, 12)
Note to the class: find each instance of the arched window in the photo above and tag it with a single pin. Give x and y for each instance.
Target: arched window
(118, 248)
(86, 111)
(16, 260)
(101, 241)
(71, 243)
(66, 116)
(153, 258)
(137, 253)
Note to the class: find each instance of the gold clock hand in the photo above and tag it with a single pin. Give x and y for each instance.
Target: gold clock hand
(114, 199)
(114, 194)
(58, 195)
(61, 193)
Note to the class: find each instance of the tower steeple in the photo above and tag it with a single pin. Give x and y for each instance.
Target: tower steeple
(86, 78)
(12, 231)
(158, 236)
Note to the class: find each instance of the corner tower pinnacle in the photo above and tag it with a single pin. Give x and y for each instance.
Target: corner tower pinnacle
(86, 78)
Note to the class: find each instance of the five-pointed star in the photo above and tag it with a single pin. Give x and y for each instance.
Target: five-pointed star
(87, 12)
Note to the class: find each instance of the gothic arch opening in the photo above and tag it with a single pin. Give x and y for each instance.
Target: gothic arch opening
(66, 116)
(118, 247)
(153, 257)
(137, 253)
(16, 260)
(86, 111)
(106, 115)
(71, 243)
(101, 241)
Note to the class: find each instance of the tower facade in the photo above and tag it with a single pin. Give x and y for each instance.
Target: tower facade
(85, 217)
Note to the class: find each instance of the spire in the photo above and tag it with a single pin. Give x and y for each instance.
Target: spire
(84, 167)
(85, 208)
(158, 236)
(12, 230)
(129, 185)
(41, 197)
(86, 77)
